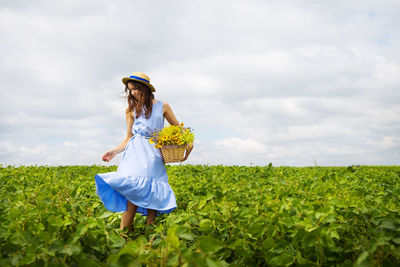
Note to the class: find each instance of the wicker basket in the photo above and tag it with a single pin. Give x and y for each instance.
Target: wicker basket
(174, 153)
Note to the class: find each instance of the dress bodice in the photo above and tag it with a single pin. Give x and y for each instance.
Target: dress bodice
(143, 126)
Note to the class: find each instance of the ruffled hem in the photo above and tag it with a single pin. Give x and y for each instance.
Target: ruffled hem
(115, 189)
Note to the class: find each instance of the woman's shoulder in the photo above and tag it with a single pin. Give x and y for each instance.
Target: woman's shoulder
(128, 110)
(164, 103)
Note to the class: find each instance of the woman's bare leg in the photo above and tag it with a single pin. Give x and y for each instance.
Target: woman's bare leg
(128, 216)
(151, 215)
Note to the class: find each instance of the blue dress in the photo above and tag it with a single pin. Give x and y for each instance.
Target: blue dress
(141, 176)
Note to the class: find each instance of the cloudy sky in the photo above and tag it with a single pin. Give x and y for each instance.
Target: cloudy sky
(295, 83)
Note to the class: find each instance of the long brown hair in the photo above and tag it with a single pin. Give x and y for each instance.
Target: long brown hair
(145, 102)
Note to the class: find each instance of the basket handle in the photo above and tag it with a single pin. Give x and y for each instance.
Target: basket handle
(189, 149)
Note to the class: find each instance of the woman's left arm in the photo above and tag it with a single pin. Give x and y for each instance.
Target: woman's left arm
(169, 114)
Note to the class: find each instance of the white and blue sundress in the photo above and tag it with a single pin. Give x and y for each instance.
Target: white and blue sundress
(141, 176)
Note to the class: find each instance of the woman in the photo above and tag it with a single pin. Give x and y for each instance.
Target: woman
(140, 183)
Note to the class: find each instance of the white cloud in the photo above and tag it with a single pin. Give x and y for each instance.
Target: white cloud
(288, 82)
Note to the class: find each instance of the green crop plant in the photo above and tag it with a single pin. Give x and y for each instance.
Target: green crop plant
(226, 215)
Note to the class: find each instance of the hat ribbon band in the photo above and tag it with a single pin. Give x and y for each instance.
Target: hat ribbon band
(138, 78)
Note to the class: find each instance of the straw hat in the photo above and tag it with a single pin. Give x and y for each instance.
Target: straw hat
(139, 77)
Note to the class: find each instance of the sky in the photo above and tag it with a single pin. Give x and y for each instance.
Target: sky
(294, 83)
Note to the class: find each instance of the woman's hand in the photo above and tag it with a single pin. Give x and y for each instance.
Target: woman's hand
(108, 155)
(190, 146)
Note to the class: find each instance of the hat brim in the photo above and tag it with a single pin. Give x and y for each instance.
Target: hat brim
(126, 79)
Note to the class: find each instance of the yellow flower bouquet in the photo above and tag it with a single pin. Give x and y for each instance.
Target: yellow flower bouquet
(175, 142)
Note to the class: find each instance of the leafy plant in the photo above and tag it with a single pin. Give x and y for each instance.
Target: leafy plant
(226, 215)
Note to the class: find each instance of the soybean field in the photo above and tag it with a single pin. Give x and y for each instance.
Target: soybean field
(226, 216)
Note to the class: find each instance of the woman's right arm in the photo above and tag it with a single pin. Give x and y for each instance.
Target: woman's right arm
(121, 147)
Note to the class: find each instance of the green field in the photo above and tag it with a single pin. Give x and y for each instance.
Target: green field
(226, 215)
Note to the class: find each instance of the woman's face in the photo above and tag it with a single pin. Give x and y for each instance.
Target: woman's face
(134, 91)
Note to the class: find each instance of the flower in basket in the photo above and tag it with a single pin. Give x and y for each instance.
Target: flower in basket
(172, 135)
